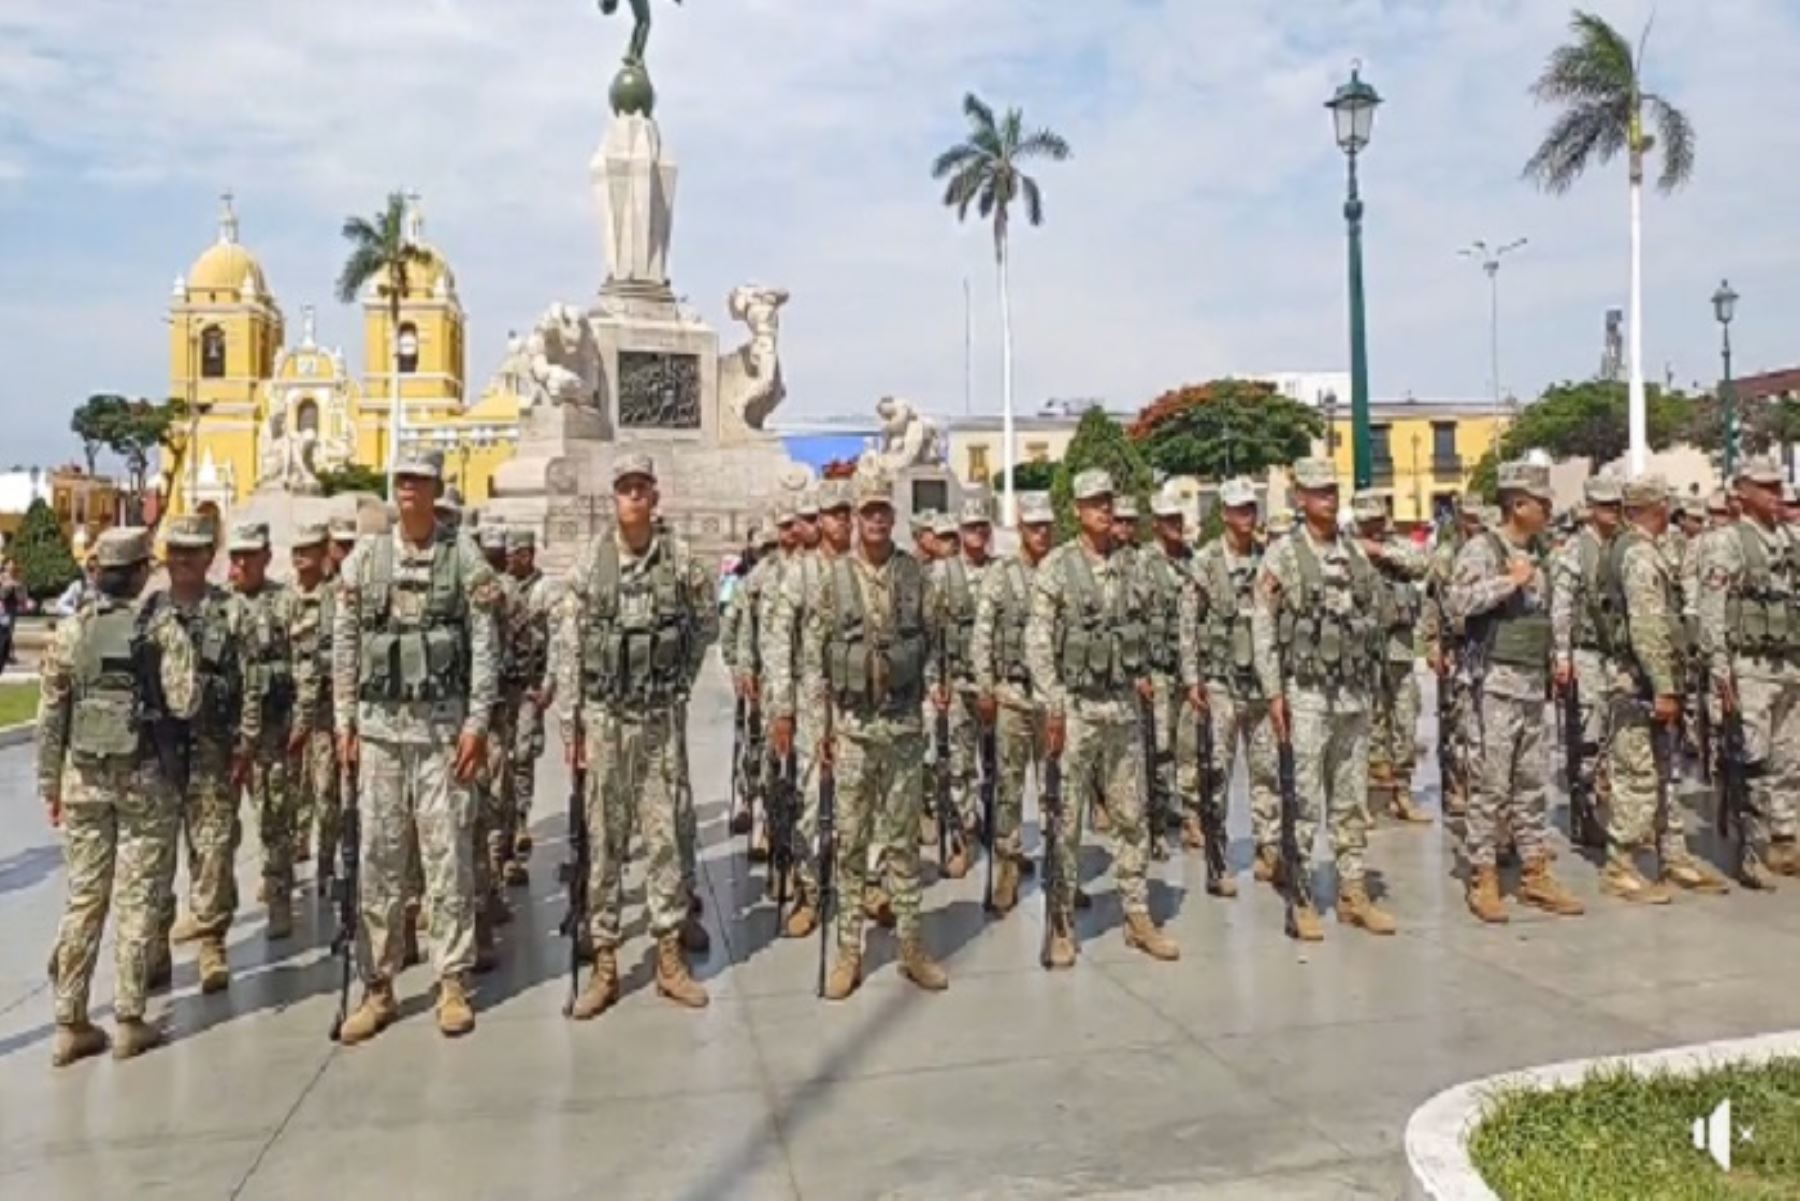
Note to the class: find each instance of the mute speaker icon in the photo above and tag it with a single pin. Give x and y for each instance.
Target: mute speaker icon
(1712, 1134)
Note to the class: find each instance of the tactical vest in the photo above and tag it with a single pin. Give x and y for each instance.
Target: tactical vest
(1596, 625)
(877, 672)
(1104, 647)
(1512, 634)
(267, 659)
(108, 690)
(1163, 578)
(1329, 650)
(1230, 649)
(1614, 574)
(527, 641)
(1012, 611)
(1762, 615)
(635, 642)
(208, 627)
(408, 661)
(1407, 601)
(959, 628)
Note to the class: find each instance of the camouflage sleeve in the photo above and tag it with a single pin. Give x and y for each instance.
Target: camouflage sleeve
(1650, 616)
(1478, 583)
(346, 643)
(56, 704)
(1040, 633)
(1565, 594)
(565, 646)
(750, 594)
(703, 602)
(250, 624)
(1405, 559)
(545, 604)
(180, 676)
(1690, 575)
(815, 620)
(1272, 582)
(484, 600)
(937, 614)
(1720, 567)
(303, 642)
(781, 641)
(981, 639)
(1187, 629)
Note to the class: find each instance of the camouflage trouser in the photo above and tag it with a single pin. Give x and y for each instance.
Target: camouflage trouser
(272, 796)
(316, 781)
(1771, 715)
(1509, 779)
(633, 769)
(1592, 687)
(527, 748)
(1103, 757)
(408, 791)
(493, 807)
(806, 824)
(1331, 778)
(965, 737)
(118, 831)
(1394, 724)
(880, 789)
(208, 815)
(1236, 718)
(687, 819)
(1018, 747)
(1633, 761)
(1460, 706)
(1177, 765)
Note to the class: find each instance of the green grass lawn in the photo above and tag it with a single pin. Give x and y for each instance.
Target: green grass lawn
(1618, 1135)
(18, 702)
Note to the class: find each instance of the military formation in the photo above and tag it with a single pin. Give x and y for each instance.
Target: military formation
(382, 714)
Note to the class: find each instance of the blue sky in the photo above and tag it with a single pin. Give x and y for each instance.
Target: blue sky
(1196, 232)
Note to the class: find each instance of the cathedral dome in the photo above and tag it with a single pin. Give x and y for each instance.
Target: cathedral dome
(226, 265)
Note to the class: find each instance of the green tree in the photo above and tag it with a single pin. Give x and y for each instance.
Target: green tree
(984, 170)
(46, 566)
(93, 423)
(1035, 476)
(1590, 419)
(1101, 442)
(1598, 81)
(129, 428)
(383, 247)
(1484, 481)
(1224, 428)
(354, 477)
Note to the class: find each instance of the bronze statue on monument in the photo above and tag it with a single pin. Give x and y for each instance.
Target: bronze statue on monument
(631, 89)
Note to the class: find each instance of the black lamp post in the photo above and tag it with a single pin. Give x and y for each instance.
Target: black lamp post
(1353, 113)
(1724, 309)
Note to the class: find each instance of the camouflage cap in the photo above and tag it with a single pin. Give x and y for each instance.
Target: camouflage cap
(421, 464)
(1167, 503)
(1235, 494)
(1761, 470)
(807, 504)
(309, 533)
(519, 537)
(1693, 506)
(1533, 479)
(834, 495)
(1280, 522)
(634, 462)
(1646, 490)
(1125, 507)
(1718, 502)
(1310, 474)
(1092, 484)
(1603, 490)
(1488, 515)
(975, 511)
(491, 537)
(1035, 508)
(192, 530)
(786, 510)
(1367, 506)
(943, 525)
(343, 529)
(872, 490)
(249, 536)
(122, 546)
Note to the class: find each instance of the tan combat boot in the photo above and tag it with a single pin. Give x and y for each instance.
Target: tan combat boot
(1539, 886)
(1484, 896)
(376, 1013)
(1193, 838)
(1784, 857)
(455, 1016)
(1755, 875)
(602, 988)
(1403, 808)
(917, 965)
(1307, 925)
(802, 921)
(1620, 878)
(522, 843)
(877, 907)
(1354, 908)
(516, 874)
(1694, 875)
(1006, 886)
(76, 1040)
(1142, 934)
(1267, 866)
(958, 865)
(215, 971)
(133, 1036)
(1061, 955)
(281, 915)
(185, 929)
(672, 977)
(846, 975)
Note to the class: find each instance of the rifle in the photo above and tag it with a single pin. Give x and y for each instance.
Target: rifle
(989, 756)
(1734, 790)
(1212, 816)
(344, 892)
(1447, 734)
(1050, 805)
(944, 805)
(573, 874)
(1154, 800)
(783, 812)
(1295, 871)
(827, 852)
(1584, 824)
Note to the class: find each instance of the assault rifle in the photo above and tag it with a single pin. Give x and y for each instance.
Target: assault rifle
(1155, 800)
(573, 874)
(344, 891)
(989, 840)
(827, 852)
(1296, 870)
(783, 809)
(1212, 809)
(1050, 803)
(943, 804)
(1447, 733)
(1734, 790)
(1584, 824)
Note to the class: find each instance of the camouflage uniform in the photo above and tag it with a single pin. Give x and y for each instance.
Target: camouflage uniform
(493, 783)
(1575, 617)
(952, 588)
(1167, 585)
(737, 647)
(526, 678)
(269, 694)
(316, 763)
(1394, 723)
(118, 802)
(1444, 643)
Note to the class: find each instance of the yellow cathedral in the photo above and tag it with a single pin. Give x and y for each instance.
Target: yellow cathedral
(264, 414)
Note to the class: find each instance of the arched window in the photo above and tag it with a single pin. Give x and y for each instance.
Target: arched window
(306, 416)
(409, 348)
(212, 352)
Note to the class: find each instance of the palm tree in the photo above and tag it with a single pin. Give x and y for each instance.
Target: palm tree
(984, 172)
(1598, 79)
(384, 245)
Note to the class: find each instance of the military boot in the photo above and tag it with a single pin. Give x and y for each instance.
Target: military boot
(522, 843)
(1266, 869)
(672, 977)
(803, 920)
(455, 1016)
(1225, 886)
(185, 929)
(958, 866)
(602, 989)
(376, 1013)
(1006, 886)
(1193, 838)
(1062, 952)
(1755, 875)
(846, 975)
(1354, 908)
(1307, 925)
(1403, 808)
(487, 955)
(133, 1036)
(1142, 934)
(694, 937)
(741, 821)
(1694, 875)
(281, 915)
(1784, 857)
(516, 874)
(1620, 878)
(215, 971)
(917, 965)
(1539, 886)
(878, 908)
(1484, 896)
(76, 1040)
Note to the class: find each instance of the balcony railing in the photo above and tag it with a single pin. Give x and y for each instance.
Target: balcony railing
(1382, 473)
(1447, 465)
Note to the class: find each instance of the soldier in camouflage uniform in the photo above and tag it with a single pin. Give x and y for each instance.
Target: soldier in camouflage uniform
(492, 833)
(1085, 645)
(636, 622)
(1005, 701)
(1647, 653)
(312, 744)
(113, 673)
(952, 588)
(527, 685)
(267, 657)
(1220, 674)
(753, 646)
(1577, 615)
(733, 636)
(1166, 579)
(1394, 725)
(1444, 655)
(924, 536)
(1320, 634)
(1500, 592)
(343, 541)
(1749, 611)
(415, 672)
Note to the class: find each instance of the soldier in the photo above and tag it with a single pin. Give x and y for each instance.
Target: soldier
(1443, 654)
(1500, 591)
(527, 684)
(1750, 576)
(753, 644)
(952, 589)
(1394, 725)
(736, 634)
(311, 745)
(343, 541)
(1220, 673)
(1721, 508)
(267, 655)
(1166, 577)
(1577, 615)
(1085, 647)
(493, 824)
(415, 670)
(1647, 652)
(635, 626)
(1005, 701)
(925, 541)
(112, 676)
(1320, 634)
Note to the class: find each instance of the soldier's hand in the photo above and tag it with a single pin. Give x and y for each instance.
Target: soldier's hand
(1278, 717)
(1196, 698)
(940, 696)
(471, 753)
(1056, 733)
(781, 735)
(1727, 692)
(987, 708)
(1146, 690)
(1668, 710)
(297, 740)
(1521, 571)
(1565, 675)
(349, 747)
(53, 809)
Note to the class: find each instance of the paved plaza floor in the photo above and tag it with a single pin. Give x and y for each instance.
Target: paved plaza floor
(1251, 1068)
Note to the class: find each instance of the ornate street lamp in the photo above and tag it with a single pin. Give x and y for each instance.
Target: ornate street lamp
(1353, 114)
(1724, 303)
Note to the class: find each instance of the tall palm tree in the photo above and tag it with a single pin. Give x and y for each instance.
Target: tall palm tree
(1598, 79)
(984, 171)
(384, 245)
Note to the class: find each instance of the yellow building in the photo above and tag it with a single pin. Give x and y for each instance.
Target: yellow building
(1424, 452)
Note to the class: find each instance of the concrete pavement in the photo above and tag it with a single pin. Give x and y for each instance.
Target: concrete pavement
(1252, 1068)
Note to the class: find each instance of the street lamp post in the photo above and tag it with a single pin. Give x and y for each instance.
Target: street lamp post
(1724, 309)
(1490, 263)
(1329, 403)
(1353, 114)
